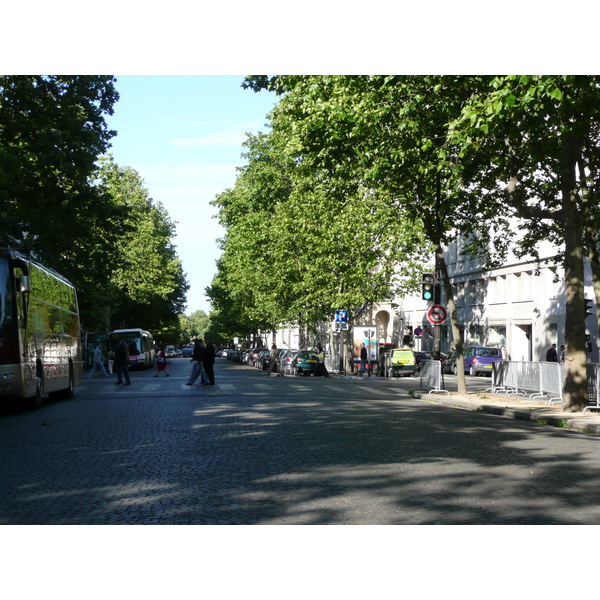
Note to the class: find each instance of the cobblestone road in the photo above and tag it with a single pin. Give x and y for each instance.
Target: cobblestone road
(253, 450)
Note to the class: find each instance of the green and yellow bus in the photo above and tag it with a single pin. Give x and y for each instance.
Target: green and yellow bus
(40, 344)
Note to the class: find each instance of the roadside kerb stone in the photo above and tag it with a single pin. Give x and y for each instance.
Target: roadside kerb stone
(518, 408)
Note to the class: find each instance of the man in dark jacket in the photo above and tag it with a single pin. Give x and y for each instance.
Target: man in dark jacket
(552, 354)
(198, 363)
(209, 361)
(122, 362)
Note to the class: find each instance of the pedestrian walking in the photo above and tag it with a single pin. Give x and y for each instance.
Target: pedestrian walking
(321, 369)
(363, 360)
(209, 361)
(122, 362)
(161, 362)
(275, 364)
(198, 364)
(110, 361)
(552, 355)
(98, 361)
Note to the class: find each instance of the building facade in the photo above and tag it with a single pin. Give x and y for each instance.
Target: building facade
(520, 305)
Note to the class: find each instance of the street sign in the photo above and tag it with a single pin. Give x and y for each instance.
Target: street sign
(341, 316)
(341, 326)
(436, 315)
(418, 332)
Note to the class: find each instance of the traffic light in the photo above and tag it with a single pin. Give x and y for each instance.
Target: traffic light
(588, 307)
(427, 286)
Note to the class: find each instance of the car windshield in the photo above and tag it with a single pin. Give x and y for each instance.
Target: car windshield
(489, 352)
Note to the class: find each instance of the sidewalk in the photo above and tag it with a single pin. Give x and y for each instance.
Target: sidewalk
(519, 408)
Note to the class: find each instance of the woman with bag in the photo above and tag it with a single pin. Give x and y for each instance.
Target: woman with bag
(161, 362)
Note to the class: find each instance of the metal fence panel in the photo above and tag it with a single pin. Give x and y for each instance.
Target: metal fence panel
(545, 380)
(332, 362)
(551, 382)
(529, 377)
(432, 376)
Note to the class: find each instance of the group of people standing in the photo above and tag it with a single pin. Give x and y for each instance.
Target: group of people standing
(203, 360)
(553, 356)
(203, 363)
(117, 360)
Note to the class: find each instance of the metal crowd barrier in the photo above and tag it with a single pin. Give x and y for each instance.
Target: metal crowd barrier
(432, 376)
(332, 362)
(516, 378)
(538, 380)
(541, 380)
(593, 382)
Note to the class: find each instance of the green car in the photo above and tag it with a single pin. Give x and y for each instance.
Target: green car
(305, 362)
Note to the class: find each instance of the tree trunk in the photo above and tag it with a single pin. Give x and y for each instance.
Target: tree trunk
(458, 345)
(575, 387)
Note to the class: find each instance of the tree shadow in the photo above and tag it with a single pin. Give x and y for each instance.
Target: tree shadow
(306, 459)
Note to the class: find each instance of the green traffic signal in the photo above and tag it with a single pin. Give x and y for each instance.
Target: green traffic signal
(427, 286)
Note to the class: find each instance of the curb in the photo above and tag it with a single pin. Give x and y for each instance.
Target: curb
(576, 423)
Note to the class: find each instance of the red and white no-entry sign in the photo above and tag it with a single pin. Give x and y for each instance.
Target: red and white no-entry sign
(436, 315)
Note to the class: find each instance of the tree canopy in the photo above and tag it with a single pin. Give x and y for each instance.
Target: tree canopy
(93, 223)
(460, 155)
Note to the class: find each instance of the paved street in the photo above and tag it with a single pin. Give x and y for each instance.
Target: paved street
(253, 450)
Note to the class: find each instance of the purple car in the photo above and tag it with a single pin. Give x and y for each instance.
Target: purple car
(479, 359)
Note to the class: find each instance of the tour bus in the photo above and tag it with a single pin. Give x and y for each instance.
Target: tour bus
(141, 346)
(40, 344)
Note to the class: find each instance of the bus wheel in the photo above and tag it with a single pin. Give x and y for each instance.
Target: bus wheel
(68, 392)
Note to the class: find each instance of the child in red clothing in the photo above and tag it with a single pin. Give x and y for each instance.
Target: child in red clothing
(161, 362)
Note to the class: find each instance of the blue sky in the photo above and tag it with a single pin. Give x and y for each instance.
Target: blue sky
(184, 135)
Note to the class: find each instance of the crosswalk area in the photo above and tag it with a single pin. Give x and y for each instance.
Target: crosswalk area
(177, 386)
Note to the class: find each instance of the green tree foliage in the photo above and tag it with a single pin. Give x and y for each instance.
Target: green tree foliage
(52, 130)
(194, 325)
(390, 134)
(96, 225)
(464, 155)
(147, 277)
(532, 149)
(301, 243)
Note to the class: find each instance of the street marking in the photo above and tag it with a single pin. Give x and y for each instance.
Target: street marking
(373, 390)
(264, 386)
(332, 388)
(153, 387)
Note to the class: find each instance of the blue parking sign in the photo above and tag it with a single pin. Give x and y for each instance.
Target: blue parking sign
(341, 316)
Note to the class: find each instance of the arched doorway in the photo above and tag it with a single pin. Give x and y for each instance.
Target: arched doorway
(382, 320)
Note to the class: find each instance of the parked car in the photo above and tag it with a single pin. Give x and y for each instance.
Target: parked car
(401, 362)
(305, 362)
(419, 356)
(449, 365)
(479, 359)
(170, 351)
(286, 358)
(254, 355)
(263, 360)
